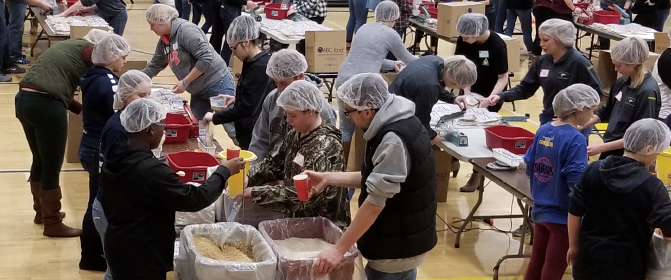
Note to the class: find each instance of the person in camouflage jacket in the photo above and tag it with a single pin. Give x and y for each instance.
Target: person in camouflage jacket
(310, 145)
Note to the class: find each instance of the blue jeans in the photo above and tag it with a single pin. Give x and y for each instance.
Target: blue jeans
(501, 12)
(17, 14)
(586, 131)
(186, 9)
(91, 244)
(118, 22)
(100, 222)
(346, 125)
(525, 21)
(200, 102)
(372, 4)
(358, 15)
(662, 15)
(373, 274)
(5, 52)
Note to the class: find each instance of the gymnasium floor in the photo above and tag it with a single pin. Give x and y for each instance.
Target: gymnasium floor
(26, 254)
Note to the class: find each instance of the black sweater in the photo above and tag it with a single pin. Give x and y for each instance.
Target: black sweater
(620, 203)
(140, 197)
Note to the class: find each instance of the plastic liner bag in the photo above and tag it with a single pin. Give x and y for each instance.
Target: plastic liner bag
(204, 216)
(246, 213)
(659, 263)
(302, 269)
(190, 264)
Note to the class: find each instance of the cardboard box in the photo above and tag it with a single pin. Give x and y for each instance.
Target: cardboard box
(389, 77)
(356, 152)
(81, 31)
(606, 69)
(131, 65)
(236, 67)
(513, 48)
(325, 50)
(443, 165)
(75, 131)
(449, 13)
(662, 42)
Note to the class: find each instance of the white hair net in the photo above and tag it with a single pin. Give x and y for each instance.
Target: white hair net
(631, 50)
(95, 35)
(161, 14)
(141, 114)
(460, 70)
(574, 98)
(364, 91)
(559, 29)
(285, 64)
(130, 83)
(301, 96)
(647, 132)
(387, 11)
(109, 49)
(472, 24)
(243, 28)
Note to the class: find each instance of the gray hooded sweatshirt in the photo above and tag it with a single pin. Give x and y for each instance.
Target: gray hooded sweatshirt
(272, 126)
(392, 164)
(188, 48)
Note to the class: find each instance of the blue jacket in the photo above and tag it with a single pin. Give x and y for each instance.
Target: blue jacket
(555, 161)
(112, 133)
(98, 88)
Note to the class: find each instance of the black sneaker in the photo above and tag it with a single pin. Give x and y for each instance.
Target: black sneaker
(14, 70)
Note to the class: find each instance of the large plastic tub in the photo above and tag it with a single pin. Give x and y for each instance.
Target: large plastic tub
(177, 128)
(664, 166)
(317, 227)
(190, 264)
(514, 139)
(606, 17)
(277, 10)
(193, 164)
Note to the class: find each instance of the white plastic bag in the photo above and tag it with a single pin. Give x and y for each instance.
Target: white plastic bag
(659, 263)
(204, 216)
(190, 264)
(246, 213)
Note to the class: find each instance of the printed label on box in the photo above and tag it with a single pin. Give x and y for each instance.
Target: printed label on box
(520, 144)
(198, 176)
(172, 133)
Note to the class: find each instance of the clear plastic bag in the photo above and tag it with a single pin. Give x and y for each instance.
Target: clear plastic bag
(190, 264)
(316, 227)
(659, 263)
(205, 216)
(246, 213)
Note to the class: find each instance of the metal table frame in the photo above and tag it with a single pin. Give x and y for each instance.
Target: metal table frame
(592, 32)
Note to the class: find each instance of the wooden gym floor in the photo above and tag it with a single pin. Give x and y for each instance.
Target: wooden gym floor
(26, 254)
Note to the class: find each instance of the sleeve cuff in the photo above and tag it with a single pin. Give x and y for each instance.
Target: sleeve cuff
(376, 199)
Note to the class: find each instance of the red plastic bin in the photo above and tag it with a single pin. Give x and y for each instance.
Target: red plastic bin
(606, 17)
(193, 164)
(275, 11)
(71, 2)
(514, 139)
(177, 128)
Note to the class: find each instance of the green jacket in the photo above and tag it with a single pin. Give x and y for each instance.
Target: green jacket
(322, 152)
(58, 70)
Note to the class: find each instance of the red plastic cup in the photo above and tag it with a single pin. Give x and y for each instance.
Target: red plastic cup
(301, 184)
(232, 153)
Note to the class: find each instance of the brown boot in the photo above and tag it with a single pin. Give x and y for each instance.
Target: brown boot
(37, 206)
(473, 183)
(53, 222)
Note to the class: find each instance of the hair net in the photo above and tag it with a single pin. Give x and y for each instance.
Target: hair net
(574, 98)
(631, 50)
(141, 114)
(559, 29)
(647, 132)
(364, 91)
(387, 11)
(301, 96)
(460, 70)
(472, 24)
(95, 35)
(243, 28)
(285, 64)
(109, 49)
(161, 14)
(130, 83)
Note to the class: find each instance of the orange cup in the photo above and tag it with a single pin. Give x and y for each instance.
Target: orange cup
(301, 184)
(232, 153)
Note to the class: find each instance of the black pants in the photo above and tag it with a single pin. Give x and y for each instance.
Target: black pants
(419, 35)
(300, 47)
(92, 246)
(44, 121)
(647, 18)
(541, 14)
(228, 14)
(217, 26)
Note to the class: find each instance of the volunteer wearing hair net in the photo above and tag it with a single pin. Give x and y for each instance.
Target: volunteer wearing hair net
(561, 66)
(367, 55)
(662, 76)
(112, 11)
(98, 88)
(284, 67)
(397, 182)
(253, 84)
(140, 195)
(556, 160)
(95, 35)
(615, 207)
(424, 80)
(45, 93)
(184, 47)
(310, 145)
(634, 96)
(132, 85)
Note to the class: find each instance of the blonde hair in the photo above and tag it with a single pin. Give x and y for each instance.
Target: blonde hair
(638, 76)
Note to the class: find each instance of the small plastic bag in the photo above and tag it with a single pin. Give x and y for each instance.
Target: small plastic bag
(205, 216)
(659, 263)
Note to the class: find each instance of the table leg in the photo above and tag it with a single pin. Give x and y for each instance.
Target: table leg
(591, 46)
(32, 48)
(520, 253)
(469, 218)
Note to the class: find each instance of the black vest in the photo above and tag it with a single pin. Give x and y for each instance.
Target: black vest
(406, 227)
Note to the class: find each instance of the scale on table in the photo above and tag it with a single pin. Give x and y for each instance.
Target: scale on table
(505, 160)
(419, 11)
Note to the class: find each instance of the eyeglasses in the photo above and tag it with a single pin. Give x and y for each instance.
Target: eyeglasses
(350, 111)
(235, 46)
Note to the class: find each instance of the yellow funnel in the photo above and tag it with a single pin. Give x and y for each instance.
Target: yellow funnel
(664, 166)
(236, 182)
